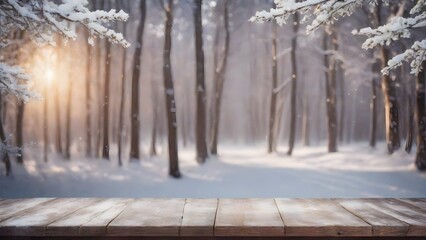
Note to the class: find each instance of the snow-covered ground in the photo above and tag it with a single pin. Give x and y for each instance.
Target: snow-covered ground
(355, 171)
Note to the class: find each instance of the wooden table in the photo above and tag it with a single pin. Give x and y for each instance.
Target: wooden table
(267, 218)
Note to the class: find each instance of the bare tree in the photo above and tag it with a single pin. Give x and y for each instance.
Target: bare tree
(219, 76)
(4, 155)
(153, 145)
(134, 115)
(200, 89)
(410, 130)
(122, 5)
(169, 92)
(293, 102)
(390, 96)
(88, 101)
(373, 107)
(46, 126)
(58, 119)
(273, 97)
(105, 108)
(67, 154)
(421, 119)
(330, 79)
(19, 131)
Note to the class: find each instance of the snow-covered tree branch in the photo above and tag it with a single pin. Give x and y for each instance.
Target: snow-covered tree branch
(13, 80)
(327, 11)
(41, 19)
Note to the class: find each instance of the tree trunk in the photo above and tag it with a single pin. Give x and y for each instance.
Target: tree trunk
(200, 89)
(19, 132)
(154, 98)
(389, 95)
(46, 126)
(278, 118)
(68, 121)
(4, 156)
(293, 106)
(410, 130)
(153, 147)
(58, 119)
(421, 119)
(341, 77)
(305, 123)
(98, 142)
(123, 93)
(219, 78)
(391, 106)
(273, 99)
(170, 93)
(88, 102)
(134, 115)
(330, 87)
(373, 108)
(105, 145)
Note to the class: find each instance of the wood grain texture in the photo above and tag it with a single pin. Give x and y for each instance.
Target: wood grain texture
(212, 218)
(320, 217)
(33, 222)
(383, 224)
(198, 217)
(149, 217)
(248, 217)
(70, 224)
(98, 225)
(406, 212)
(11, 207)
(419, 202)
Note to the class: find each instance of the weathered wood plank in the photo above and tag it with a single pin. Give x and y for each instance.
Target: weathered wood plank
(198, 217)
(34, 221)
(70, 224)
(149, 217)
(406, 212)
(11, 207)
(248, 217)
(383, 224)
(419, 202)
(320, 217)
(98, 225)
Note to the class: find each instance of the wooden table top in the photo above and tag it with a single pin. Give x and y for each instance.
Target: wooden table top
(266, 217)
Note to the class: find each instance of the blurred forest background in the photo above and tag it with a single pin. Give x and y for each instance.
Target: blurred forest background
(265, 85)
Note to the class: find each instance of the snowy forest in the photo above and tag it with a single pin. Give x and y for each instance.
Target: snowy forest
(213, 98)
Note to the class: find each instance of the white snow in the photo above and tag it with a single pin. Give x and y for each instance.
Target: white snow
(355, 171)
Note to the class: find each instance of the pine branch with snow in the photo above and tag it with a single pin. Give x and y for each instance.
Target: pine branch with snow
(14, 81)
(42, 18)
(327, 11)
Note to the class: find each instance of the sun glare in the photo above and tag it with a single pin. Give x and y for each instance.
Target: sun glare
(49, 75)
